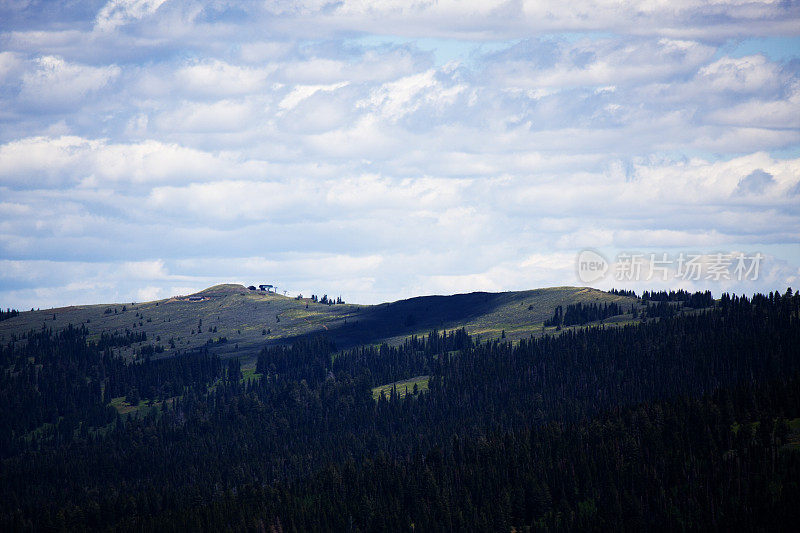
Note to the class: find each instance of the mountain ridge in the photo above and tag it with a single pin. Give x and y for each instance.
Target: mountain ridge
(230, 319)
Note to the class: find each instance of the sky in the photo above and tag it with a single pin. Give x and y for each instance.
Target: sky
(385, 149)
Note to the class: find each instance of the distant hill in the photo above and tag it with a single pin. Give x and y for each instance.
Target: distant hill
(231, 319)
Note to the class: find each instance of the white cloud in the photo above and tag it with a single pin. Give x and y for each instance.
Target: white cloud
(301, 92)
(150, 293)
(260, 51)
(783, 113)
(228, 199)
(10, 64)
(54, 83)
(147, 270)
(496, 19)
(747, 74)
(220, 116)
(603, 63)
(395, 99)
(218, 78)
(40, 161)
(316, 70)
(366, 195)
(117, 13)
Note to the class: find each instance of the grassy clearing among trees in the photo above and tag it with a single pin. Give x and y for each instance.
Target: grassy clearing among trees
(403, 387)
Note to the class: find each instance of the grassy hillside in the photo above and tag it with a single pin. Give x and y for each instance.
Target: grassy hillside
(484, 315)
(403, 387)
(242, 321)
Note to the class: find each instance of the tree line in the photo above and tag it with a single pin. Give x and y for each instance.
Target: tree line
(8, 313)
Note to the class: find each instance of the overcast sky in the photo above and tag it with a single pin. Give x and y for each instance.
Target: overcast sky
(385, 149)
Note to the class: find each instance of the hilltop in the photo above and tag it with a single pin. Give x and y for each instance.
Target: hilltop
(230, 319)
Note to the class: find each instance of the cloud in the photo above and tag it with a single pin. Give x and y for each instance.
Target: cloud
(778, 113)
(499, 18)
(10, 64)
(218, 78)
(749, 74)
(219, 116)
(146, 270)
(397, 99)
(150, 293)
(597, 63)
(72, 161)
(301, 92)
(386, 148)
(54, 84)
(754, 183)
(117, 13)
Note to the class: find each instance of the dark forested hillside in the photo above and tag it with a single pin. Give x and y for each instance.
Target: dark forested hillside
(687, 420)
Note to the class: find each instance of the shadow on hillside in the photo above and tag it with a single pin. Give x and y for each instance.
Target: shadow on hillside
(416, 315)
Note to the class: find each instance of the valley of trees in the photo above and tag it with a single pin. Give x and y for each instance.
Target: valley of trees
(682, 420)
